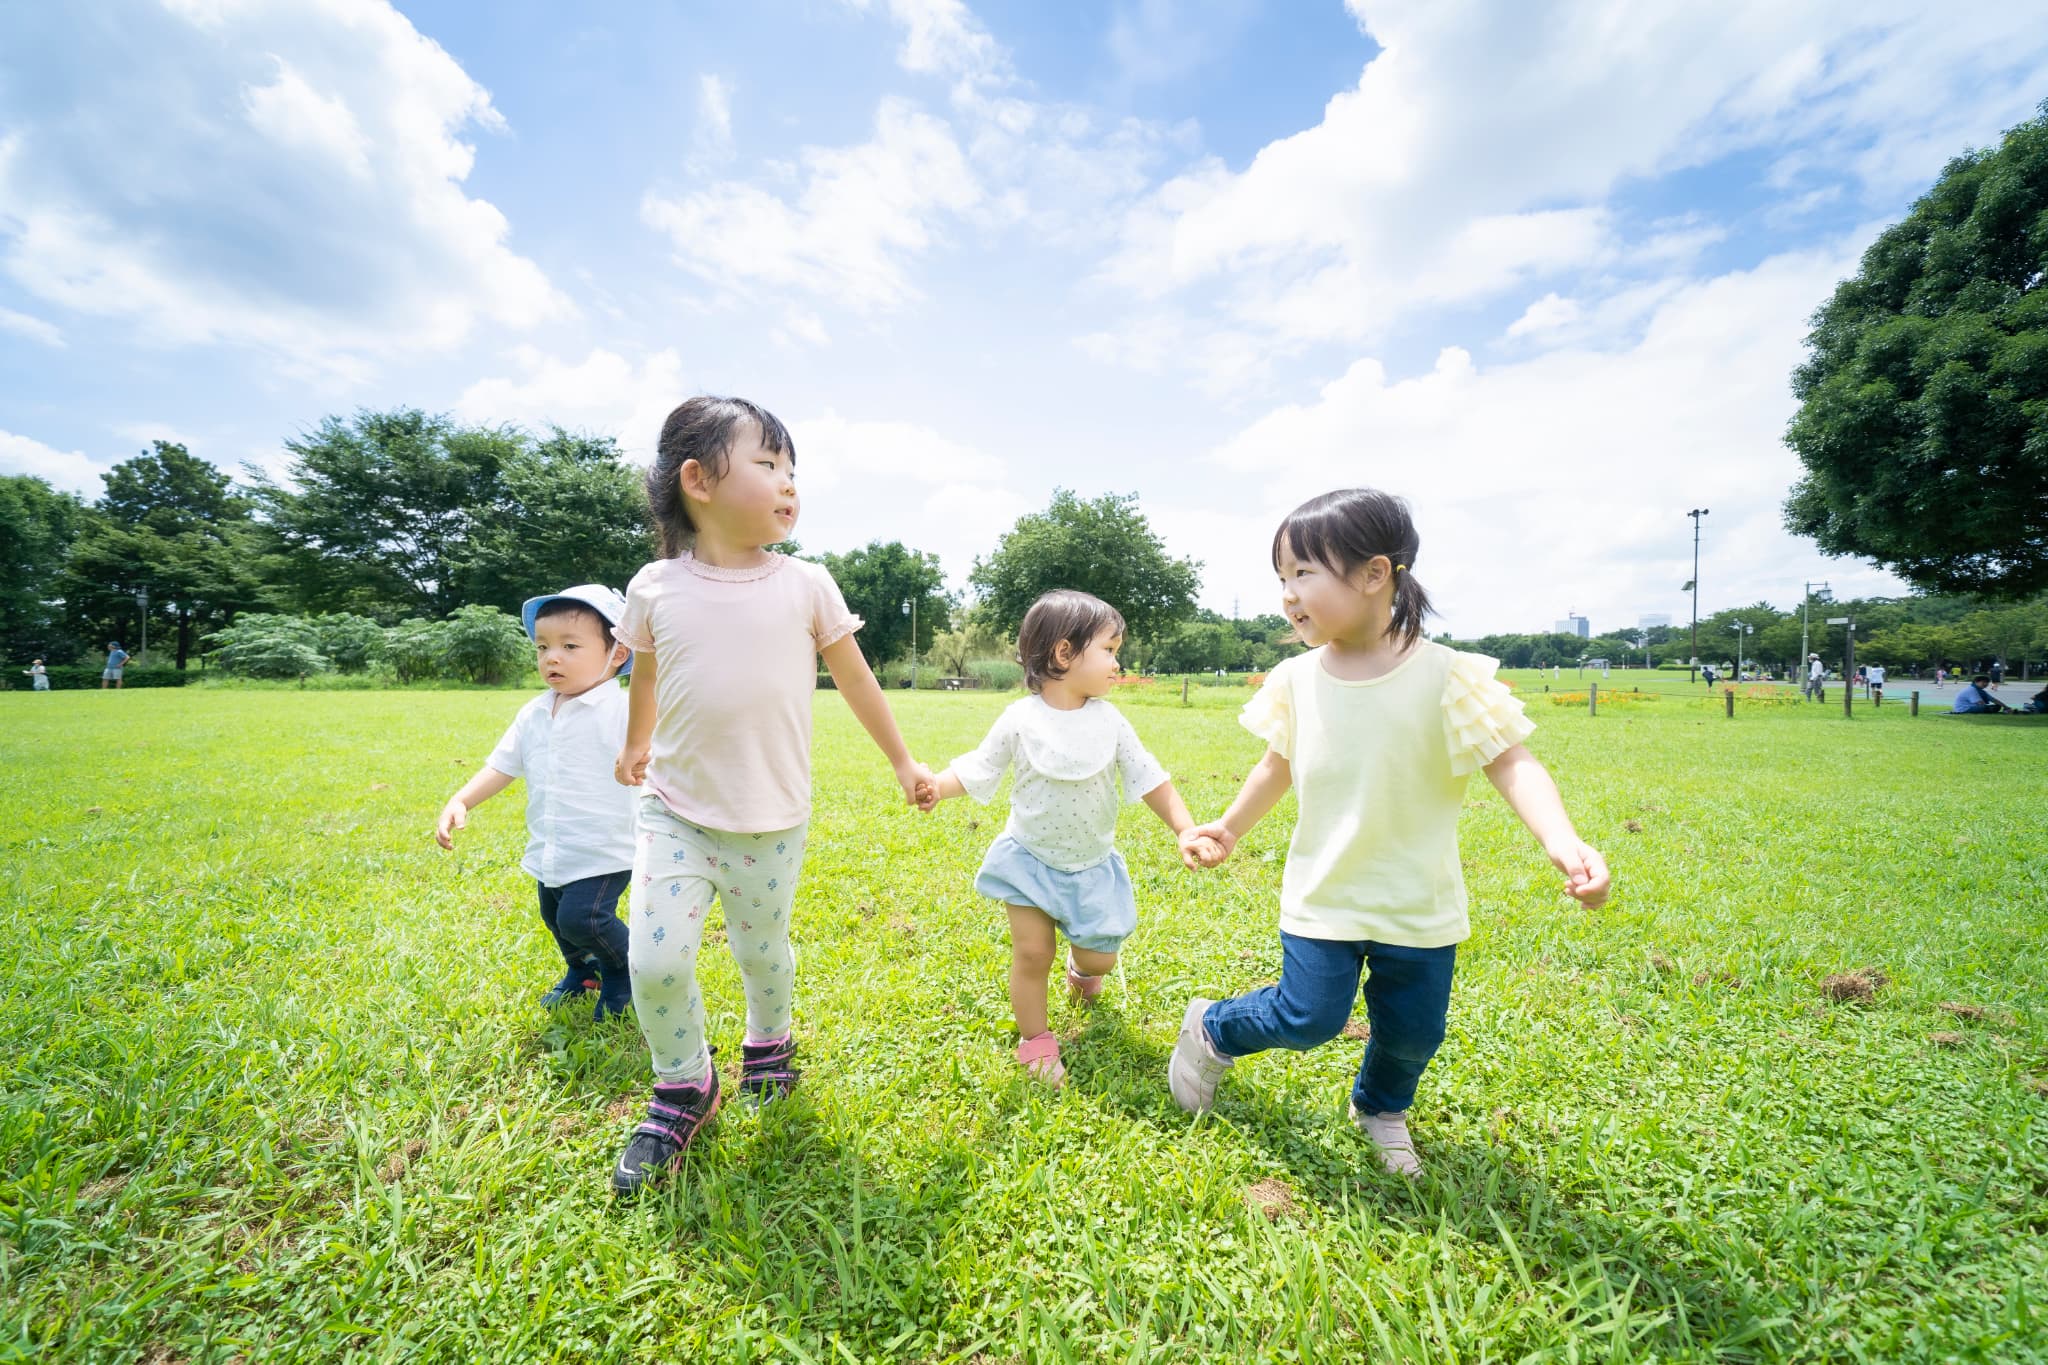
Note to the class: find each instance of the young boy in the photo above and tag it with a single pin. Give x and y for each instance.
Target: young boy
(579, 820)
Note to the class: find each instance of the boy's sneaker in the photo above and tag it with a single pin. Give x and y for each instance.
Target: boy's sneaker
(576, 983)
(613, 996)
(1389, 1134)
(767, 1070)
(675, 1115)
(1196, 1066)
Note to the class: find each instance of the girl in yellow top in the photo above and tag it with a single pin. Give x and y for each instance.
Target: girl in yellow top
(1378, 731)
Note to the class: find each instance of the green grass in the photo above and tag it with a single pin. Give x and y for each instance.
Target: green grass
(273, 1082)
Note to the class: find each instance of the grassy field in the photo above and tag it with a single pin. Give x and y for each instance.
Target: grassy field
(274, 1084)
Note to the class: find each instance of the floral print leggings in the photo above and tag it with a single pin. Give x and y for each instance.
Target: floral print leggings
(678, 870)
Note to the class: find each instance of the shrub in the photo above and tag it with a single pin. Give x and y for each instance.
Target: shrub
(416, 649)
(1000, 674)
(351, 643)
(260, 645)
(484, 645)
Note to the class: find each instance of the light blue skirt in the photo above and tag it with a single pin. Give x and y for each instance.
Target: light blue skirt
(1095, 907)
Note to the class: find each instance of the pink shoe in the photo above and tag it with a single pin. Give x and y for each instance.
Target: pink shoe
(1082, 989)
(1041, 1057)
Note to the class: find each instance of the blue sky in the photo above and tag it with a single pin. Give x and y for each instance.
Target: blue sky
(1542, 269)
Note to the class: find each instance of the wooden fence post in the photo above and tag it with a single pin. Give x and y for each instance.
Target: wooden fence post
(1730, 697)
(1184, 691)
(1593, 700)
(1913, 708)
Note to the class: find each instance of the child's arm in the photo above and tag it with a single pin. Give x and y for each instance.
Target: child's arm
(1526, 785)
(487, 783)
(856, 682)
(944, 787)
(631, 767)
(1264, 785)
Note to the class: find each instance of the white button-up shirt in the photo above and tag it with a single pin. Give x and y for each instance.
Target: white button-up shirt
(579, 820)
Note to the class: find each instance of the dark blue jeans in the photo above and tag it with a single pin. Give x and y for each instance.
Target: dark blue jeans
(584, 918)
(1407, 1000)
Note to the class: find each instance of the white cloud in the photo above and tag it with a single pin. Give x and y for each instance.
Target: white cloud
(256, 172)
(72, 470)
(861, 215)
(1414, 191)
(1562, 480)
(35, 329)
(1546, 314)
(712, 142)
(604, 394)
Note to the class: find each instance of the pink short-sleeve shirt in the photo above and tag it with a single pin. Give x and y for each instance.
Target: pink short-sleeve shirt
(735, 654)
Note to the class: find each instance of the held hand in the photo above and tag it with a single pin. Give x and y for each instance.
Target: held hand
(1585, 873)
(916, 779)
(1205, 846)
(630, 769)
(454, 816)
(927, 797)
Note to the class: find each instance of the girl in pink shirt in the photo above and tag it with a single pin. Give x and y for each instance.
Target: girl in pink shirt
(725, 636)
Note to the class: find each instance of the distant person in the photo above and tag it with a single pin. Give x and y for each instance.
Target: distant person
(1940, 676)
(40, 674)
(1873, 678)
(117, 659)
(1997, 673)
(2037, 705)
(1975, 701)
(579, 820)
(1707, 675)
(1816, 678)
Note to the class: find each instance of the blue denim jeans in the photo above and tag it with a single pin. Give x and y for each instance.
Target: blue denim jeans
(583, 916)
(1407, 1000)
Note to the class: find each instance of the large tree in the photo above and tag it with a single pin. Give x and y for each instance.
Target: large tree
(37, 526)
(172, 532)
(1105, 547)
(1923, 419)
(569, 510)
(878, 580)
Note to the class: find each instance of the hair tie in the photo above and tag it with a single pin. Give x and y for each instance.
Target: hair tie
(1399, 567)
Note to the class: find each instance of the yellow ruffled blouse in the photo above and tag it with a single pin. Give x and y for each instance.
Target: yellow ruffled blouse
(1380, 769)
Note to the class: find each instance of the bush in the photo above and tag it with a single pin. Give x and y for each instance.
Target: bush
(416, 649)
(260, 645)
(484, 645)
(351, 643)
(1001, 674)
(76, 677)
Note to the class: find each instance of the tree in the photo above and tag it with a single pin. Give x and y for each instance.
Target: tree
(1105, 547)
(382, 510)
(485, 645)
(973, 639)
(171, 530)
(264, 645)
(569, 510)
(37, 527)
(876, 581)
(1201, 646)
(1923, 418)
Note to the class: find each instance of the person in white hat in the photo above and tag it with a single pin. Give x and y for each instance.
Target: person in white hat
(579, 821)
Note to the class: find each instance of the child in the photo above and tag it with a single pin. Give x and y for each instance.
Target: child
(40, 676)
(1377, 730)
(579, 821)
(726, 635)
(1055, 865)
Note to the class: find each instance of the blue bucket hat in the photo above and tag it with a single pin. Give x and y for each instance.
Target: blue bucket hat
(606, 602)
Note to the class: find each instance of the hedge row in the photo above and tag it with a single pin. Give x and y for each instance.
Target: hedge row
(74, 676)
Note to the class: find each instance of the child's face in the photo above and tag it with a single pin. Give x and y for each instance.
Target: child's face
(755, 502)
(569, 650)
(1321, 603)
(1093, 670)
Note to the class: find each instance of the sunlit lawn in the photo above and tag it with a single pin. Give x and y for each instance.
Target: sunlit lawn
(274, 1083)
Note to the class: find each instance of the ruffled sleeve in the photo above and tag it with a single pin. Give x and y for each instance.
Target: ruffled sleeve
(635, 629)
(831, 619)
(1482, 718)
(1270, 712)
(981, 770)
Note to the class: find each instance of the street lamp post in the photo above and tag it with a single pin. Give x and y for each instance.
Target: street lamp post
(910, 609)
(1740, 629)
(142, 607)
(1696, 513)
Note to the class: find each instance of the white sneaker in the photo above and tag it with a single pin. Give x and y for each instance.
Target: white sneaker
(1389, 1134)
(1196, 1065)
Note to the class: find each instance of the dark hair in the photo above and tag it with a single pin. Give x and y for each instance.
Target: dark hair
(1347, 529)
(1981, 679)
(703, 429)
(1062, 614)
(569, 606)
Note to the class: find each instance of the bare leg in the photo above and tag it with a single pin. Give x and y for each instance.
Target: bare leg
(1091, 963)
(1032, 940)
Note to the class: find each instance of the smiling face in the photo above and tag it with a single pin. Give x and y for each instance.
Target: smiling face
(570, 651)
(754, 502)
(1321, 603)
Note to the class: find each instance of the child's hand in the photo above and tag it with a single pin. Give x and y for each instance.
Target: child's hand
(1585, 873)
(630, 769)
(454, 816)
(1205, 846)
(915, 779)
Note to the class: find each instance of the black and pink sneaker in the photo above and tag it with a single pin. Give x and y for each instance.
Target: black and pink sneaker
(674, 1116)
(767, 1071)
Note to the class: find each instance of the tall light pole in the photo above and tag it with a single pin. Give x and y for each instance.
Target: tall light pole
(1739, 628)
(910, 609)
(1806, 622)
(1696, 513)
(142, 609)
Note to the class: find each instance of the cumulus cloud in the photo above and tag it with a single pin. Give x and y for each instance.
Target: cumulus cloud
(72, 470)
(254, 172)
(1561, 480)
(34, 328)
(604, 393)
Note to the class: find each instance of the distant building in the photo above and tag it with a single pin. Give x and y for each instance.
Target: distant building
(1574, 625)
(1654, 619)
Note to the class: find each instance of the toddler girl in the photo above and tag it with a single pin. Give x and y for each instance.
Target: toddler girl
(1055, 865)
(726, 635)
(1378, 731)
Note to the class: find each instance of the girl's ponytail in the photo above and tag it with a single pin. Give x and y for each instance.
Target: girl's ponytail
(1411, 602)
